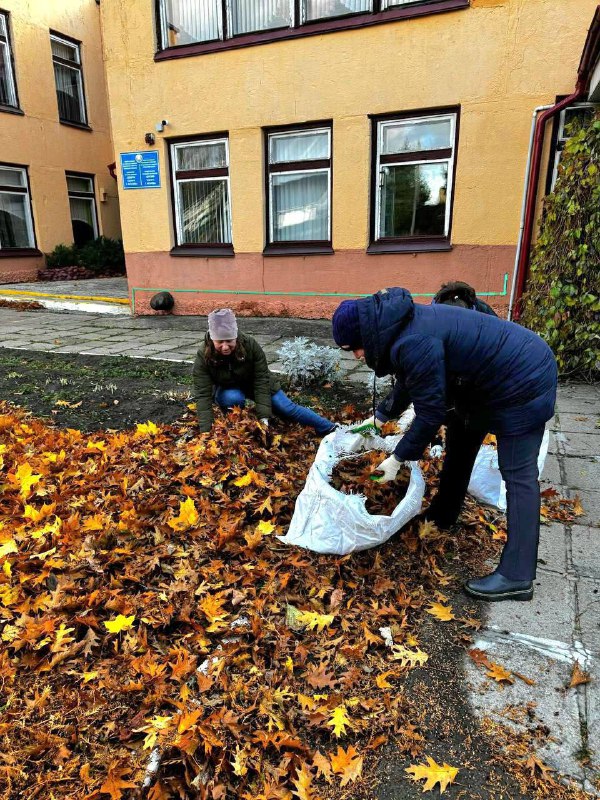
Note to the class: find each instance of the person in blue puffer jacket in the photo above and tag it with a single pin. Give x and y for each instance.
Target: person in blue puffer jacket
(476, 374)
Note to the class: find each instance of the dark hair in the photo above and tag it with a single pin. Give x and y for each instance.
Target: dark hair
(456, 293)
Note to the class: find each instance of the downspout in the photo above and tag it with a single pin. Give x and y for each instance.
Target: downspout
(524, 248)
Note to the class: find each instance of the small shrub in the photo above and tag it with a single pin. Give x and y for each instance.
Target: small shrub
(63, 255)
(305, 362)
(103, 255)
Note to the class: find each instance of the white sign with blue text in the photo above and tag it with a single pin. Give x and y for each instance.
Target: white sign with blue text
(140, 170)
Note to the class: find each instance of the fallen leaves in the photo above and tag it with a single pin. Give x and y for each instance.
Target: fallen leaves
(119, 624)
(348, 764)
(441, 612)
(432, 773)
(578, 676)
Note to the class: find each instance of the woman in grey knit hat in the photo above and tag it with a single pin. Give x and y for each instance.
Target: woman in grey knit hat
(231, 367)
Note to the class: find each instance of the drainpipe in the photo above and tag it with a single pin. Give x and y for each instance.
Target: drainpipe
(532, 179)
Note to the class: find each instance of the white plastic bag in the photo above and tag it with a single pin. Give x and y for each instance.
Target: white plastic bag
(328, 521)
(486, 484)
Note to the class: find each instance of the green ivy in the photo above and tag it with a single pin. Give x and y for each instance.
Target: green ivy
(562, 301)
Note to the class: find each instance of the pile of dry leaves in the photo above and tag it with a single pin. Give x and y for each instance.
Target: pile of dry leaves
(157, 640)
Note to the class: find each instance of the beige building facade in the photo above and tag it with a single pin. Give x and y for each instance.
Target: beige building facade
(55, 139)
(313, 149)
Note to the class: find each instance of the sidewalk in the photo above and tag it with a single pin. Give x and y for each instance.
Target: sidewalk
(540, 640)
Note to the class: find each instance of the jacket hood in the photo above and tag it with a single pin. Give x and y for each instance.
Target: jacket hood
(382, 316)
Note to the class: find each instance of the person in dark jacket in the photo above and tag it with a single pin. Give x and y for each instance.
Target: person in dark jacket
(458, 293)
(478, 374)
(231, 367)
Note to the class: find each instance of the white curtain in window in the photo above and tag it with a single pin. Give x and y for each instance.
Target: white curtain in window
(209, 155)
(299, 147)
(68, 93)
(7, 86)
(249, 15)
(14, 231)
(322, 9)
(204, 212)
(68, 52)
(191, 21)
(82, 210)
(300, 206)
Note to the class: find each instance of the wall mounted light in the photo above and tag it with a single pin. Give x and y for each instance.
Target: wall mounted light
(160, 126)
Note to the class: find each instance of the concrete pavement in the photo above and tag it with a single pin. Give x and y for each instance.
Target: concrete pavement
(541, 640)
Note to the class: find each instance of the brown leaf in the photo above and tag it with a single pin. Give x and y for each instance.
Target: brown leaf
(323, 766)
(348, 764)
(114, 783)
(319, 678)
(578, 676)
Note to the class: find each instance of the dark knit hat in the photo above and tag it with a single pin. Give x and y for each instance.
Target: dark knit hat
(346, 325)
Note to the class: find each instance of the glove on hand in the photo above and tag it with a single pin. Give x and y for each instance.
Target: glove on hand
(389, 467)
(368, 427)
(435, 451)
(264, 422)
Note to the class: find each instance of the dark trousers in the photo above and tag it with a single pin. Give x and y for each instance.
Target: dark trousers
(517, 458)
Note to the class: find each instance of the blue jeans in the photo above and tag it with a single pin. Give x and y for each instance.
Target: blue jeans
(282, 407)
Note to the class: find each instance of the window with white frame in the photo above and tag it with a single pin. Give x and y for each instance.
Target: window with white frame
(16, 223)
(185, 22)
(583, 112)
(8, 89)
(68, 76)
(414, 164)
(299, 185)
(201, 192)
(82, 203)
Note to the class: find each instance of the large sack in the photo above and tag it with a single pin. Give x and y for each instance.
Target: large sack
(328, 521)
(486, 484)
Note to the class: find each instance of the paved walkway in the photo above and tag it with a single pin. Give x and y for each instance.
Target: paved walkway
(540, 640)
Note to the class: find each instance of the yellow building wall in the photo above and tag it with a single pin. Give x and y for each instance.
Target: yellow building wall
(39, 141)
(498, 60)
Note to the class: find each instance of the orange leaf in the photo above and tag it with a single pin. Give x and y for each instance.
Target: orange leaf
(578, 676)
(348, 764)
(499, 674)
(114, 783)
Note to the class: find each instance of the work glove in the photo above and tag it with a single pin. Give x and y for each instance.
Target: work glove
(435, 451)
(368, 427)
(264, 422)
(389, 468)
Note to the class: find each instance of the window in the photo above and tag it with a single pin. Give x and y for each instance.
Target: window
(201, 193)
(16, 224)
(583, 112)
(68, 76)
(8, 89)
(206, 25)
(299, 188)
(82, 202)
(414, 165)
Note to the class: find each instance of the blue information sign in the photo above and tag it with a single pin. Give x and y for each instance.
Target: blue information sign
(140, 170)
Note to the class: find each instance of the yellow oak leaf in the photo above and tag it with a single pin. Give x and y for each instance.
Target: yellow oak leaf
(499, 674)
(265, 527)
(312, 620)
(100, 446)
(409, 658)
(239, 762)
(187, 721)
(338, 719)
(441, 612)
(25, 477)
(381, 680)
(120, 623)
(250, 477)
(348, 764)
(433, 773)
(303, 783)
(114, 783)
(146, 429)
(36, 515)
(212, 607)
(188, 516)
(89, 676)
(94, 523)
(7, 547)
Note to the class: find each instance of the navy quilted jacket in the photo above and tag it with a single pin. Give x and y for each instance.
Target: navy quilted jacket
(499, 376)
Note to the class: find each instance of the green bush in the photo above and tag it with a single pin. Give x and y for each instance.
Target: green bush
(63, 255)
(562, 301)
(103, 254)
(100, 255)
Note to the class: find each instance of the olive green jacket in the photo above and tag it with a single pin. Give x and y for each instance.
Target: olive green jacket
(249, 373)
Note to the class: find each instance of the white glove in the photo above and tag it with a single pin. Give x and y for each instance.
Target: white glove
(435, 451)
(389, 467)
(368, 427)
(265, 422)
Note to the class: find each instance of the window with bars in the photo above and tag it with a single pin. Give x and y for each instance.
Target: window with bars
(82, 204)
(298, 170)
(196, 22)
(412, 181)
(16, 222)
(8, 87)
(202, 208)
(68, 76)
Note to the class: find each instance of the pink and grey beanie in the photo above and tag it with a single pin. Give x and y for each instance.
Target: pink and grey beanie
(222, 325)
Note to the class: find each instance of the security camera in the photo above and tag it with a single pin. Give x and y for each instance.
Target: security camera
(160, 126)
